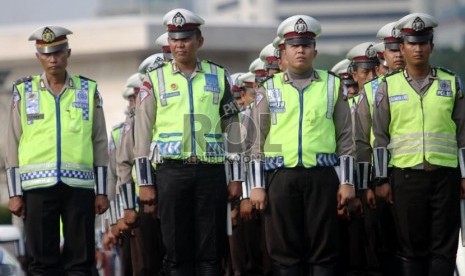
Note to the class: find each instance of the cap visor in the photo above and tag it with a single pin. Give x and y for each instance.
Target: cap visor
(52, 49)
(418, 38)
(392, 46)
(299, 41)
(181, 35)
(367, 65)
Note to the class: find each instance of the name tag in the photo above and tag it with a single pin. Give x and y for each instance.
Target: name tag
(444, 93)
(398, 98)
(171, 94)
(277, 107)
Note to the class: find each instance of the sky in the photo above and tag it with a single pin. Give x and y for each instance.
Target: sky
(46, 11)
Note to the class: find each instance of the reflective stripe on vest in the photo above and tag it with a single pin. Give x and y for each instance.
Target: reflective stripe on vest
(188, 119)
(421, 127)
(313, 141)
(56, 142)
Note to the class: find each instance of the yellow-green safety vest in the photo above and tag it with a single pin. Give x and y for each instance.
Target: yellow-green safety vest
(421, 127)
(302, 131)
(188, 113)
(56, 141)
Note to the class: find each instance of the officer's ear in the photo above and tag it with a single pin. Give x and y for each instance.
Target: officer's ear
(316, 53)
(200, 38)
(69, 52)
(432, 45)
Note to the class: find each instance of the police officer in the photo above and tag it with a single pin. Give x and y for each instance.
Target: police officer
(57, 156)
(183, 108)
(270, 56)
(162, 43)
(278, 43)
(418, 118)
(146, 247)
(300, 118)
(257, 67)
(384, 225)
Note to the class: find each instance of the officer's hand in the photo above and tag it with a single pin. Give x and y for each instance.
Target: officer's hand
(354, 206)
(234, 215)
(101, 204)
(108, 241)
(462, 188)
(246, 209)
(258, 198)
(17, 207)
(384, 191)
(122, 226)
(345, 193)
(234, 190)
(130, 217)
(147, 195)
(115, 231)
(370, 198)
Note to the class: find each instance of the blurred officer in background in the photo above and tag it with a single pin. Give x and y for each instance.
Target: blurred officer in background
(183, 108)
(419, 119)
(384, 230)
(300, 117)
(57, 158)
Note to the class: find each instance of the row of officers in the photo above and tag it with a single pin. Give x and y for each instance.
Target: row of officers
(282, 170)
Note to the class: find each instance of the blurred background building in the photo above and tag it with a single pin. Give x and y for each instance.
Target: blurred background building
(111, 37)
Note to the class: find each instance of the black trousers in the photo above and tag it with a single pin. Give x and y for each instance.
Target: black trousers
(146, 245)
(44, 207)
(427, 217)
(192, 200)
(301, 218)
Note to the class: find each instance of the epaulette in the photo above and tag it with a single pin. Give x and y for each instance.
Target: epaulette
(211, 62)
(118, 126)
(155, 66)
(86, 78)
(446, 71)
(21, 80)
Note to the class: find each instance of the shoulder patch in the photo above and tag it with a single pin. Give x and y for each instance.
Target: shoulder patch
(21, 80)
(86, 78)
(446, 71)
(213, 63)
(155, 66)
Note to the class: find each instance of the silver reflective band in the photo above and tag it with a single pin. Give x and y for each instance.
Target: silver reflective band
(112, 212)
(245, 190)
(119, 207)
(380, 158)
(234, 167)
(347, 169)
(461, 154)
(127, 192)
(143, 171)
(363, 175)
(14, 182)
(100, 174)
(256, 174)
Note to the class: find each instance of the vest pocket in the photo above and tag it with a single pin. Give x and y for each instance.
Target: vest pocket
(75, 120)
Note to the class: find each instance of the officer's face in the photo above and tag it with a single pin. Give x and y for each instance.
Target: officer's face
(394, 58)
(362, 75)
(54, 63)
(417, 54)
(299, 57)
(185, 50)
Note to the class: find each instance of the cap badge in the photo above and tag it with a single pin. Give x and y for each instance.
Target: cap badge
(418, 24)
(178, 20)
(277, 53)
(48, 35)
(300, 26)
(396, 33)
(370, 52)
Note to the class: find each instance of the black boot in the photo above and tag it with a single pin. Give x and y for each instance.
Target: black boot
(441, 266)
(412, 266)
(279, 270)
(208, 268)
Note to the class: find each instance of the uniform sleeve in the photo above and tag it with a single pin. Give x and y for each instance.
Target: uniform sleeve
(458, 115)
(99, 138)
(112, 177)
(144, 119)
(343, 124)
(125, 154)
(14, 131)
(259, 125)
(230, 120)
(362, 133)
(381, 117)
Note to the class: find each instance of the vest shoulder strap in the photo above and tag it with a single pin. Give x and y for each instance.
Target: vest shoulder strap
(85, 78)
(155, 66)
(25, 79)
(447, 71)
